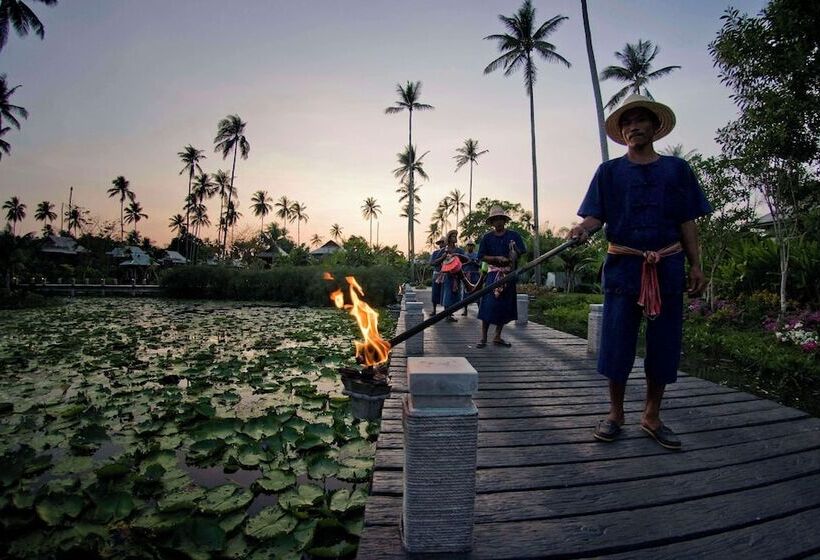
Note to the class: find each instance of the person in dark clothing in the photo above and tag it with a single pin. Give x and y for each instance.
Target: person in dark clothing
(470, 267)
(435, 261)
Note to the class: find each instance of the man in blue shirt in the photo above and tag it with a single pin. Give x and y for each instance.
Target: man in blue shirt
(649, 204)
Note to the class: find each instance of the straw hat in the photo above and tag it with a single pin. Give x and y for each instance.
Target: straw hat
(497, 211)
(451, 232)
(441, 241)
(635, 101)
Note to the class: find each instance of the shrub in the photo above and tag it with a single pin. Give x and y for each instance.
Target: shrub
(288, 284)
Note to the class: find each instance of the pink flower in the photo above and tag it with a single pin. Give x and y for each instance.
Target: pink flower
(809, 346)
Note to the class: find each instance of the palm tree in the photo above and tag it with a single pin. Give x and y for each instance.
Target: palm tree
(409, 166)
(21, 17)
(440, 216)
(177, 224)
(469, 153)
(230, 135)
(371, 209)
(596, 86)
(433, 232)
(75, 219)
(336, 232)
(223, 184)
(16, 211)
(7, 110)
(316, 239)
(45, 212)
(678, 151)
(409, 95)
(134, 213)
(191, 157)
(5, 147)
(204, 188)
(517, 46)
(261, 206)
(121, 189)
(298, 216)
(285, 212)
(199, 218)
(637, 63)
(232, 215)
(456, 203)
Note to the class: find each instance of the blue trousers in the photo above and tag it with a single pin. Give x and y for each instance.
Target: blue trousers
(619, 337)
(436, 295)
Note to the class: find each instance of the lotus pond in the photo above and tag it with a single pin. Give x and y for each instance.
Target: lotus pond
(159, 429)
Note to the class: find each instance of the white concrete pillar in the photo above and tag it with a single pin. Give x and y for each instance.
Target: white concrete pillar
(413, 315)
(440, 443)
(522, 301)
(594, 322)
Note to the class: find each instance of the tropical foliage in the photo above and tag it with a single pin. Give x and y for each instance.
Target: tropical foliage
(636, 70)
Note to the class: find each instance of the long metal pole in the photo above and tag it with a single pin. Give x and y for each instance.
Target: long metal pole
(399, 338)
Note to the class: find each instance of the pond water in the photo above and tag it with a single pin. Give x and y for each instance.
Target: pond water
(153, 428)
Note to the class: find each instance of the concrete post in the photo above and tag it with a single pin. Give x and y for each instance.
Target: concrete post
(440, 442)
(594, 322)
(413, 315)
(409, 295)
(523, 303)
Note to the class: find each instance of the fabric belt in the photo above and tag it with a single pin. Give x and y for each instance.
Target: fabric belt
(650, 295)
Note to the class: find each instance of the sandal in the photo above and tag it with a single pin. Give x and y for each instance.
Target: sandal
(664, 436)
(607, 430)
(481, 344)
(452, 319)
(502, 342)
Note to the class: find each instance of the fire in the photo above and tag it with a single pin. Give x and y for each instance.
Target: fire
(373, 350)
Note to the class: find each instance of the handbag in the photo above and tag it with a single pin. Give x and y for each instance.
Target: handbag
(451, 265)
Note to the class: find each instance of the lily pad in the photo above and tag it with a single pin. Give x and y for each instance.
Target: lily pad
(304, 495)
(114, 507)
(344, 500)
(269, 523)
(226, 498)
(275, 480)
(53, 508)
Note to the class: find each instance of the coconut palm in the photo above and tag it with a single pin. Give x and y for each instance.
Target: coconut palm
(75, 219)
(316, 239)
(285, 210)
(232, 215)
(45, 213)
(223, 183)
(15, 212)
(204, 188)
(440, 216)
(122, 189)
(410, 165)
(409, 101)
(678, 151)
(456, 204)
(5, 147)
(191, 157)
(371, 209)
(261, 206)
(8, 112)
(230, 136)
(469, 153)
(517, 46)
(134, 213)
(596, 86)
(21, 17)
(433, 233)
(298, 215)
(336, 232)
(636, 70)
(177, 224)
(199, 217)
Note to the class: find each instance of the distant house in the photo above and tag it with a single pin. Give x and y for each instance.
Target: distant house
(326, 250)
(57, 245)
(272, 253)
(172, 258)
(133, 260)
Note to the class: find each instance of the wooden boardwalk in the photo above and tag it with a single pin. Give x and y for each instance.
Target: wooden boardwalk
(746, 485)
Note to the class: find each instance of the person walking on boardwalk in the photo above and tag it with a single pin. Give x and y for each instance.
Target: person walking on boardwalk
(498, 248)
(649, 204)
(435, 261)
(451, 268)
(470, 268)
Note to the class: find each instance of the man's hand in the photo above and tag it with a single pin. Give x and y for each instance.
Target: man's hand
(697, 281)
(578, 232)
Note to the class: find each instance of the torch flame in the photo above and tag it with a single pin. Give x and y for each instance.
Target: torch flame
(373, 350)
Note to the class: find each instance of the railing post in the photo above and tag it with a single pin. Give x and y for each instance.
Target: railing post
(413, 315)
(523, 306)
(594, 322)
(440, 443)
(409, 295)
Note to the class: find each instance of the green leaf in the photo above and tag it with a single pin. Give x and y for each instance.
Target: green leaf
(199, 535)
(263, 426)
(354, 526)
(322, 467)
(304, 495)
(205, 449)
(343, 500)
(269, 523)
(88, 439)
(53, 508)
(159, 522)
(113, 470)
(225, 498)
(216, 428)
(275, 480)
(73, 465)
(231, 522)
(185, 500)
(114, 507)
(237, 548)
(250, 456)
(337, 550)
(322, 431)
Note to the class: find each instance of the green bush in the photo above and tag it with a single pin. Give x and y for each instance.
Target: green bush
(301, 285)
(23, 299)
(565, 312)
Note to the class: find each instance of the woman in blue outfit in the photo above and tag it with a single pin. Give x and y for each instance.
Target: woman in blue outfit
(470, 267)
(451, 286)
(435, 262)
(498, 249)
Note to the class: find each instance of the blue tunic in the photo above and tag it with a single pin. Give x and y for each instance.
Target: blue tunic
(499, 310)
(436, 288)
(451, 287)
(470, 268)
(643, 206)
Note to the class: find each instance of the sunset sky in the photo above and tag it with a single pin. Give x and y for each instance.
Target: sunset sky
(118, 87)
